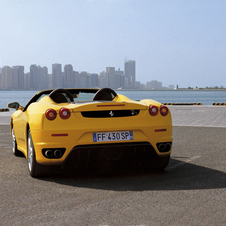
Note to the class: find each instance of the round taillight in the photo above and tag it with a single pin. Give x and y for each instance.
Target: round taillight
(65, 113)
(153, 110)
(51, 114)
(164, 110)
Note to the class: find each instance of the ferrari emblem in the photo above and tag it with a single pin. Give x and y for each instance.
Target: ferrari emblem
(111, 113)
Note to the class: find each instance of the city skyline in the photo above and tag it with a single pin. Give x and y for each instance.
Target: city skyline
(66, 77)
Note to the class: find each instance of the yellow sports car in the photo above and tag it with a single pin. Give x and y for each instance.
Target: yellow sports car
(84, 127)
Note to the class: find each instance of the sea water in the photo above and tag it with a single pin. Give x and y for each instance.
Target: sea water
(177, 96)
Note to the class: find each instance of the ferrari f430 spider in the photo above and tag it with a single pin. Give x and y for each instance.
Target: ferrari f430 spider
(81, 127)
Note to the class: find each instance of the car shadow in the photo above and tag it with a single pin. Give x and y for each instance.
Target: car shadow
(186, 176)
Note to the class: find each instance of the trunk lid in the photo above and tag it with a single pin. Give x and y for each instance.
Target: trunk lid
(106, 106)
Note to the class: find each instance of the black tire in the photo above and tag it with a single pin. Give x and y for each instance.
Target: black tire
(162, 162)
(35, 169)
(157, 163)
(16, 152)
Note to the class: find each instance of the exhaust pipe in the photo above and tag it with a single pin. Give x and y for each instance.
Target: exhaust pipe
(53, 153)
(162, 147)
(57, 153)
(49, 153)
(168, 146)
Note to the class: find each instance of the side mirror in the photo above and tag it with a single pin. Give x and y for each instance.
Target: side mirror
(15, 105)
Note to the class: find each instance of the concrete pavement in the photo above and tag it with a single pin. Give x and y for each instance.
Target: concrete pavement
(5, 117)
(200, 115)
(191, 191)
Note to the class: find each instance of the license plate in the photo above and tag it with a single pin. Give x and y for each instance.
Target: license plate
(112, 136)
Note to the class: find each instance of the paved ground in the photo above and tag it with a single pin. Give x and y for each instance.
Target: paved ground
(200, 115)
(5, 117)
(191, 191)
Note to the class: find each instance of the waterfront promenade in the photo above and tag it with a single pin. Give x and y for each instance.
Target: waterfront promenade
(199, 115)
(184, 115)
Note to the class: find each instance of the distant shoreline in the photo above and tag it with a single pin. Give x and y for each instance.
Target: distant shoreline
(180, 89)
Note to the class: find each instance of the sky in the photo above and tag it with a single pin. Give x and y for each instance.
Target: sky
(173, 41)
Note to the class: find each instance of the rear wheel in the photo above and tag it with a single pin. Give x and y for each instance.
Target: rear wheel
(16, 152)
(35, 169)
(162, 162)
(157, 163)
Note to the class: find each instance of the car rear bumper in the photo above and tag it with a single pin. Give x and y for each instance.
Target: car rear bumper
(124, 153)
(72, 140)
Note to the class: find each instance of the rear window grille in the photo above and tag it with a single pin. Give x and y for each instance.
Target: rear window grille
(110, 114)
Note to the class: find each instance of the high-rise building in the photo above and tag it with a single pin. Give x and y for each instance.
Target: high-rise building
(56, 76)
(94, 80)
(102, 79)
(110, 77)
(76, 79)
(119, 79)
(34, 81)
(130, 73)
(20, 71)
(45, 78)
(68, 76)
(85, 80)
(15, 77)
(41, 81)
(7, 77)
